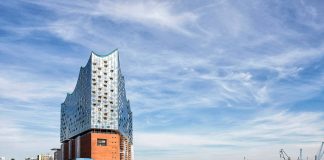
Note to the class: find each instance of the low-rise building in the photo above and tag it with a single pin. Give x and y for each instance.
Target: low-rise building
(45, 157)
(57, 154)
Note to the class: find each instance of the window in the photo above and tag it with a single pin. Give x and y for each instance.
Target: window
(111, 78)
(101, 142)
(111, 70)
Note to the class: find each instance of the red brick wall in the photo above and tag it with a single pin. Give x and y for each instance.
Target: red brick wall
(89, 148)
(109, 152)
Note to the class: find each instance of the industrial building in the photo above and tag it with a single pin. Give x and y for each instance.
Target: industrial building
(96, 119)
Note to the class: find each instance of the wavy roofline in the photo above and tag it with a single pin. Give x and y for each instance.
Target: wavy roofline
(82, 67)
(99, 55)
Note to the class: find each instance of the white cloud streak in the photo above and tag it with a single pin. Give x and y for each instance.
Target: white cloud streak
(149, 13)
(220, 68)
(271, 129)
(13, 136)
(156, 14)
(18, 84)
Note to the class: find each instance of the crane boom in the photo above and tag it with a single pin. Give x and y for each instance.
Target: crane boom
(320, 152)
(283, 155)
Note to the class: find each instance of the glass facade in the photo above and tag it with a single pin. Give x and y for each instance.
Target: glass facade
(99, 99)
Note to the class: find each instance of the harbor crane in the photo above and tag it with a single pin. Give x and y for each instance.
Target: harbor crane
(284, 155)
(320, 153)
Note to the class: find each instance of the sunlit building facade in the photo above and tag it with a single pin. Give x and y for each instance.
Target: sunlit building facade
(96, 119)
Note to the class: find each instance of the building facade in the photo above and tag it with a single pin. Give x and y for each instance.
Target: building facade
(57, 154)
(45, 157)
(96, 119)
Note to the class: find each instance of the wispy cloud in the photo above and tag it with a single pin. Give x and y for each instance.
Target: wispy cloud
(212, 79)
(15, 137)
(157, 14)
(267, 130)
(160, 14)
(15, 86)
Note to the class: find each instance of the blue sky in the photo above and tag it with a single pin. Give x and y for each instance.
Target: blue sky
(206, 79)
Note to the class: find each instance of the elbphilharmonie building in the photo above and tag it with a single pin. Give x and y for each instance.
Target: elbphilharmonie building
(96, 119)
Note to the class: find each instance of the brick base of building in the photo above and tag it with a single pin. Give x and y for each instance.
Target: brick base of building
(97, 145)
